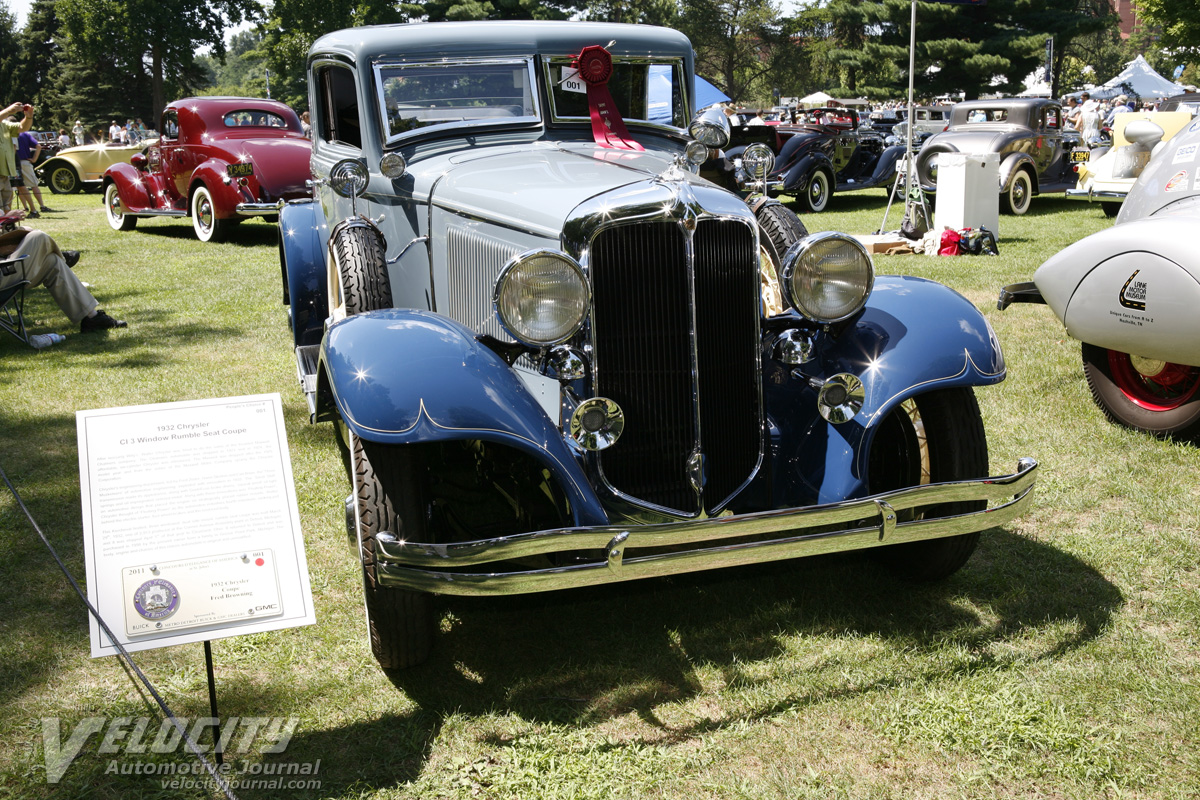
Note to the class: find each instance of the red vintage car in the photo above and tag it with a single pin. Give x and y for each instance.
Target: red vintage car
(219, 160)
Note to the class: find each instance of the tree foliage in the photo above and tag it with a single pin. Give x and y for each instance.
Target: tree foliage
(160, 37)
(737, 43)
(1178, 22)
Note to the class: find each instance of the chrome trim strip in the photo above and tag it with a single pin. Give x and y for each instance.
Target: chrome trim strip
(258, 209)
(159, 213)
(1091, 194)
(418, 566)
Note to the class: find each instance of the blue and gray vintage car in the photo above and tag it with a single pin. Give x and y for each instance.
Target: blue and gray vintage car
(556, 356)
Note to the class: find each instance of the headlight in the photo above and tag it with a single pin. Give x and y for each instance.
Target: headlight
(710, 127)
(542, 297)
(827, 276)
(758, 161)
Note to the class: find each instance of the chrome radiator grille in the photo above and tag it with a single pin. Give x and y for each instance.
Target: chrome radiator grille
(660, 360)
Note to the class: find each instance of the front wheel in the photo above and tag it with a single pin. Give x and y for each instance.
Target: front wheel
(1148, 395)
(206, 224)
(1019, 194)
(779, 228)
(361, 266)
(815, 196)
(937, 436)
(389, 492)
(63, 179)
(118, 220)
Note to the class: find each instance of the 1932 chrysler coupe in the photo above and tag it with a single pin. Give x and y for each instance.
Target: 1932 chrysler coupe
(553, 353)
(219, 160)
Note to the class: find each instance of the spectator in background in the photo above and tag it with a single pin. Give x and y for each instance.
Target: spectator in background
(28, 150)
(1089, 117)
(305, 125)
(1122, 106)
(1071, 113)
(79, 132)
(757, 119)
(63, 139)
(8, 154)
(114, 132)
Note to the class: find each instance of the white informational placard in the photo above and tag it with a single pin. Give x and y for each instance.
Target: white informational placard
(190, 524)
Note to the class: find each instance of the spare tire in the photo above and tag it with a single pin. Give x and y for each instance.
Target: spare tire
(926, 164)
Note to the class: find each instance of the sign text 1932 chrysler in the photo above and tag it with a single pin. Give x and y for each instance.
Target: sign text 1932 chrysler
(552, 352)
(219, 160)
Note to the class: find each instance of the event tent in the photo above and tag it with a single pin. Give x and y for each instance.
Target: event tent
(815, 99)
(1139, 80)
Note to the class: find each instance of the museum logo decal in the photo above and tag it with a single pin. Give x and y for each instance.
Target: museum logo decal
(158, 598)
(1133, 293)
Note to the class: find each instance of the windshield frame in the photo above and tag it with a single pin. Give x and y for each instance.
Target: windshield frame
(378, 68)
(552, 63)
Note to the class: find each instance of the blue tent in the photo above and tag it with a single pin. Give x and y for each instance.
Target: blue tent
(707, 94)
(659, 94)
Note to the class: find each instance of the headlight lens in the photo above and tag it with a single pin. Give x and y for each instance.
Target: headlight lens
(828, 276)
(542, 297)
(710, 127)
(758, 161)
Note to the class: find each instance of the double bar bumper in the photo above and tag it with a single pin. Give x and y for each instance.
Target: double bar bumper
(705, 544)
(258, 209)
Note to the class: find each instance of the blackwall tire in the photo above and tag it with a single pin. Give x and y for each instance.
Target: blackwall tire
(817, 191)
(362, 269)
(63, 179)
(1111, 209)
(1165, 402)
(117, 218)
(206, 224)
(938, 436)
(1019, 195)
(780, 228)
(389, 496)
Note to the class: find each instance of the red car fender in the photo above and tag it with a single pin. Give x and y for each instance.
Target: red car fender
(131, 186)
(225, 193)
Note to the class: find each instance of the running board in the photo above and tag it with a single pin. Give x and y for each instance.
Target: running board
(306, 368)
(158, 213)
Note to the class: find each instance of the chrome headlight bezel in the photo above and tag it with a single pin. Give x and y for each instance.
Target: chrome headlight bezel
(529, 328)
(711, 128)
(807, 267)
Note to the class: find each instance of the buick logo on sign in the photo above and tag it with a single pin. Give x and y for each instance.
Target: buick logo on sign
(1133, 293)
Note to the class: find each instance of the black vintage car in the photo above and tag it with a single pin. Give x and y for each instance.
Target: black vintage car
(827, 151)
(1029, 135)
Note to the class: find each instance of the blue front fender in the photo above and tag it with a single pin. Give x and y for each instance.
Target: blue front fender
(914, 336)
(302, 258)
(402, 376)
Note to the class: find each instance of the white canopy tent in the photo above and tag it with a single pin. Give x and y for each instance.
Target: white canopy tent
(815, 99)
(1139, 80)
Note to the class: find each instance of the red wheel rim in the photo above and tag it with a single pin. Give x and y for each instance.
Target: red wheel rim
(1173, 386)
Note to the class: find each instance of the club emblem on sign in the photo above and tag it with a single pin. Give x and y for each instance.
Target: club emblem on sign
(156, 599)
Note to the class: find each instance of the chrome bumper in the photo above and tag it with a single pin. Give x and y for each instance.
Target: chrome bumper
(257, 209)
(710, 543)
(1090, 194)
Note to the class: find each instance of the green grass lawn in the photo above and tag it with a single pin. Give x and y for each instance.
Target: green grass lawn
(1062, 661)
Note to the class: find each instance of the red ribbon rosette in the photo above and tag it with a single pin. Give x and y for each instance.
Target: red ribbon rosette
(595, 67)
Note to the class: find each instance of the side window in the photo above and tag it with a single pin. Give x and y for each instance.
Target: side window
(1051, 119)
(338, 115)
(170, 125)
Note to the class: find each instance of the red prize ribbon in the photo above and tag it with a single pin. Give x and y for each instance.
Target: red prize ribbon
(608, 129)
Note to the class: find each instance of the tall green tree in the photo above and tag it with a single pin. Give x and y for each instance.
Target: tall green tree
(160, 37)
(737, 43)
(1178, 22)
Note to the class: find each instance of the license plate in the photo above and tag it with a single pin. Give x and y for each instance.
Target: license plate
(1080, 156)
(239, 170)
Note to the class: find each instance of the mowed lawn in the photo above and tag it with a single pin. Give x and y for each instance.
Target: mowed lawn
(1062, 661)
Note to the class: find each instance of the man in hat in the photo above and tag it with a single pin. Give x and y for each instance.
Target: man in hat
(1122, 106)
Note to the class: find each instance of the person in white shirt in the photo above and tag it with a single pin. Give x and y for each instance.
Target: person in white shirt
(1089, 117)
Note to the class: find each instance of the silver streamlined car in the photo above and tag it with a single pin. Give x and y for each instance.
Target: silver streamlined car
(555, 354)
(1130, 295)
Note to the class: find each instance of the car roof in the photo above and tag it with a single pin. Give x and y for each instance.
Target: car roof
(449, 40)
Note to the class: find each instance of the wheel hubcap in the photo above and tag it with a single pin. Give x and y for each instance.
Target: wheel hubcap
(1153, 384)
(205, 213)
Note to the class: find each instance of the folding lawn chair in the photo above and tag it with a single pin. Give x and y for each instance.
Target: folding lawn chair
(12, 302)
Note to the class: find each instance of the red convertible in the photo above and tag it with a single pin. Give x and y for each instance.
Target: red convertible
(219, 160)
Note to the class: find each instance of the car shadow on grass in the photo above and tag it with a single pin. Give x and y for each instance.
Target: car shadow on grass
(586, 657)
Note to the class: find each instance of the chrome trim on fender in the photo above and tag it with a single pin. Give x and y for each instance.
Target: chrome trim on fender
(719, 542)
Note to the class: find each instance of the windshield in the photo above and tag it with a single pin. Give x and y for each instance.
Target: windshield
(643, 91)
(416, 96)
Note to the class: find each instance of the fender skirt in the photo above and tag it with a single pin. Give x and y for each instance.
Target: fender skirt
(403, 376)
(898, 349)
(303, 262)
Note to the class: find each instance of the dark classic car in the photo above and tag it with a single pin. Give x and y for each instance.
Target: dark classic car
(1035, 149)
(828, 151)
(219, 160)
(554, 355)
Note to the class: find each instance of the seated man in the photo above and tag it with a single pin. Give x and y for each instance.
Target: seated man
(49, 266)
